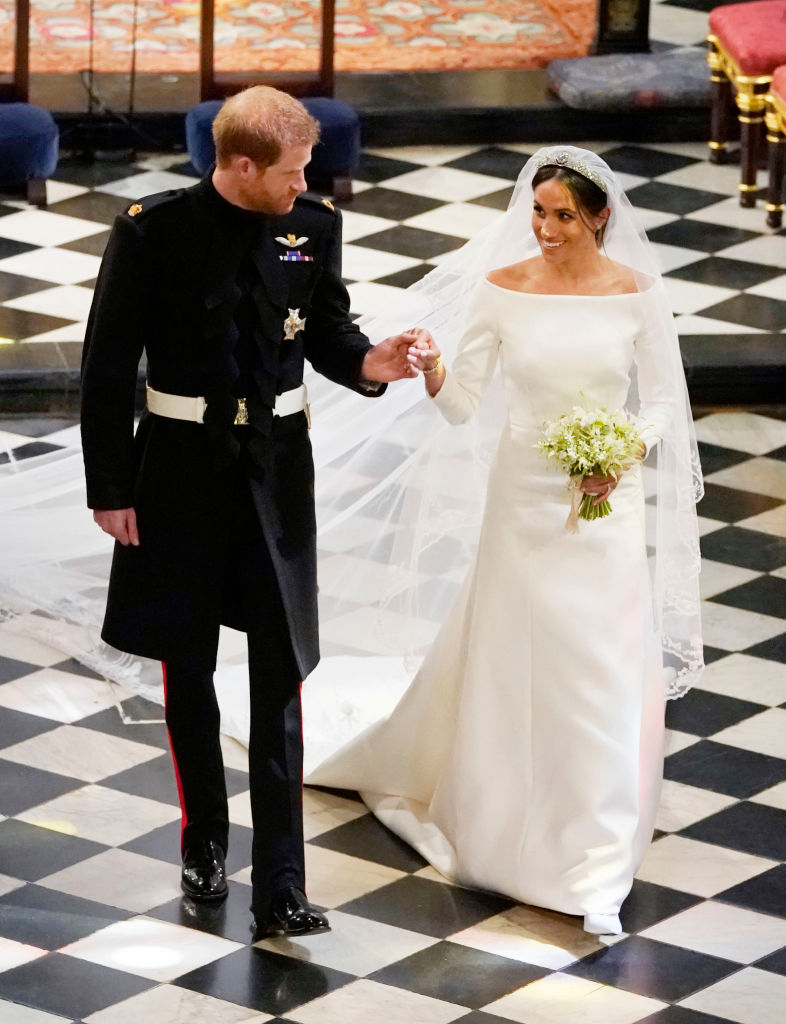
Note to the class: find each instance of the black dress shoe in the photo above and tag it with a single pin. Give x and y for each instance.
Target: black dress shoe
(291, 914)
(204, 875)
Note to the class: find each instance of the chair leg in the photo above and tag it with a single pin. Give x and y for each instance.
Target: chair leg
(751, 118)
(342, 187)
(719, 117)
(776, 165)
(36, 191)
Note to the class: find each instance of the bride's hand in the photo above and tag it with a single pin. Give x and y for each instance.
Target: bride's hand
(599, 486)
(424, 356)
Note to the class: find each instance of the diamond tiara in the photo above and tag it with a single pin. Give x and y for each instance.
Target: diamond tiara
(561, 158)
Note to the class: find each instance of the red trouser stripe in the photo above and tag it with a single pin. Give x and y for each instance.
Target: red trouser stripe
(180, 797)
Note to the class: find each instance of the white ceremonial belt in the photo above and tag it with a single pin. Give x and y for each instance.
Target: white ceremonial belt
(184, 407)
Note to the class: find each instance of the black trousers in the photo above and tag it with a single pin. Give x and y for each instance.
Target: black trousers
(275, 752)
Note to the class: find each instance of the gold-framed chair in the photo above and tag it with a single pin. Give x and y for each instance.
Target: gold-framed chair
(775, 120)
(747, 43)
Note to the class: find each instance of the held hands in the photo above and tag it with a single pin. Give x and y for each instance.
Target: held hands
(388, 360)
(119, 523)
(424, 356)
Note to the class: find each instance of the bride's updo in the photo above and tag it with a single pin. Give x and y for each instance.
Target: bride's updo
(590, 199)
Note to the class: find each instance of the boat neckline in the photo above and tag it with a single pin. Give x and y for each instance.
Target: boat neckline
(568, 295)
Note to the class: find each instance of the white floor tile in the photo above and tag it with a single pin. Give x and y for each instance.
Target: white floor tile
(720, 178)
(679, 26)
(446, 183)
(240, 809)
(324, 811)
(709, 525)
(689, 297)
(671, 257)
(69, 332)
(531, 936)
(119, 879)
(355, 945)
(751, 996)
(733, 629)
(362, 1001)
(428, 156)
(743, 431)
(80, 753)
(676, 741)
(8, 884)
(761, 475)
(764, 733)
(717, 929)
(170, 1004)
(15, 1013)
(152, 949)
(358, 225)
(700, 868)
(68, 301)
(682, 805)
(773, 797)
(363, 264)
(336, 878)
(560, 998)
(767, 249)
(369, 297)
(773, 521)
(50, 693)
(14, 954)
(730, 214)
(688, 323)
(39, 227)
(464, 220)
(718, 576)
(148, 183)
(16, 644)
(104, 815)
(740, 675)
(60, 266)
(775, 288)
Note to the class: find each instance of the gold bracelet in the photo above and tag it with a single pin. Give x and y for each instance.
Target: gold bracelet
(437, 366)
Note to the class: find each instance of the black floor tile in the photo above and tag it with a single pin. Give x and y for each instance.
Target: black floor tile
(28, 451)
(750, 549)
(92, 174)
(154, 779)
(22, 787)
(653, 969)
(778, 453)
(368, 839)
(648, 162)
(765, 892)
(264, 981)
(404, 278)
(76, 668)
(93, 245)
(69, 987)
(766, 594)
(724, 769)
(702, 713)
(390, 203)
(726, 273)
(495, 200)
(458, 974)
(49, 919)
(648, 904)
(714, 458)
(501, 163)
(109, 721)
(14, 286)
(378, 168)
(17, 726)
(414, 242)
(428, 907)
(31, 853)
(751, 310)
(682, 1015)
(713, 654)
(11, 668)
(657, 195)
(730, 505)
(479, 1017)
(100, 207)
(230, 919)
(773, 650)
(10, 246)
(753, 828)
(18, 324)
(164, 844)
(775, 962)
(696, 234)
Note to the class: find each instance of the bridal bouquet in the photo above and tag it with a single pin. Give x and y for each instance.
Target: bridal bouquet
(590, 442)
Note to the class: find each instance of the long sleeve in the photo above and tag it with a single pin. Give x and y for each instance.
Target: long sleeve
(476, 358)
(115, 338)
(653, 361)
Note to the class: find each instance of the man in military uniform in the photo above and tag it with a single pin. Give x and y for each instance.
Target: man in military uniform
(227, 286)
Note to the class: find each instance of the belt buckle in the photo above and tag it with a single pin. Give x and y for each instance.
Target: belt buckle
(241, 416)
(307, 411)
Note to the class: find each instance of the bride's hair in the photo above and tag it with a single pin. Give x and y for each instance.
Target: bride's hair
(589, 198)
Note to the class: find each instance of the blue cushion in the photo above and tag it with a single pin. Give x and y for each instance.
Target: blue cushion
(337, 153)
(624, 81)
(29, 142)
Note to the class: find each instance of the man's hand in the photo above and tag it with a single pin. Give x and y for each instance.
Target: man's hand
(388, 360)
(119, 523)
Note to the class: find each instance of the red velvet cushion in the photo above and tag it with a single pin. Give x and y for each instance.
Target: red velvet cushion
(753, 34)
(778, 84)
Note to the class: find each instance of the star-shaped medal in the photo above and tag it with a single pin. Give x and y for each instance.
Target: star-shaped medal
(293, 323)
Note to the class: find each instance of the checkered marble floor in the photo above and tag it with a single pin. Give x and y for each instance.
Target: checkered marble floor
(93, 926)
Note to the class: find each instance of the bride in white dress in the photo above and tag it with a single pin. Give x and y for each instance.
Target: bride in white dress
(525, 757)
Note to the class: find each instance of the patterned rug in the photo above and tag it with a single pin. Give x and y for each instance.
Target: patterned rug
(386, 35)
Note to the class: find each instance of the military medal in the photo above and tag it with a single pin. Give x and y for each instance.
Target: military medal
(293, 323)
(293, 254)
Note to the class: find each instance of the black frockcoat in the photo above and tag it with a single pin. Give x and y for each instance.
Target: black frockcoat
(169, 285)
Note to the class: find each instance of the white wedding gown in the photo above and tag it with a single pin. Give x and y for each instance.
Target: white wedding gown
(526, 754)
